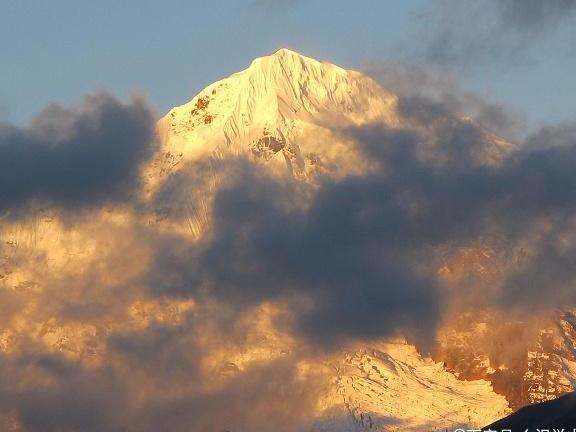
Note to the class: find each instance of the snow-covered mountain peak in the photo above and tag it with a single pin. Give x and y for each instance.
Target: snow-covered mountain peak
(288, 65)
(287, 57)
(267, 109)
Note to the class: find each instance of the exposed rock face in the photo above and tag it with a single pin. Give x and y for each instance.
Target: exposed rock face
(539, 367)
(527, 359)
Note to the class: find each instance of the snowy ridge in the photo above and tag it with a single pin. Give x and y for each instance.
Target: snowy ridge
(267, 109)
(390, 387)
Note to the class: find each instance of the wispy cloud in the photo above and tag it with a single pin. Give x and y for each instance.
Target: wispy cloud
(471, 32)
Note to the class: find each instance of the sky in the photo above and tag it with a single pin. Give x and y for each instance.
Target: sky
(59, 50)
(146, 285)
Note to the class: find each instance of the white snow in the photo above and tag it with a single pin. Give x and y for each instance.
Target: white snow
(285, 96)
(389, 386)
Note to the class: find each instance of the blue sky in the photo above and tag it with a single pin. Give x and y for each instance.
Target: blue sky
(56, 51)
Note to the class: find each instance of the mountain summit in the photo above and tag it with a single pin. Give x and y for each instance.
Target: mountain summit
(267, 108)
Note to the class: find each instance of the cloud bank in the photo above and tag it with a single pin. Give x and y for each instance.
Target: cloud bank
(76, 156)
(135, 325)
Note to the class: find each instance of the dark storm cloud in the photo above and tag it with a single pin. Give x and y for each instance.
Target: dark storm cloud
(548, 278)
(442, 85)
(51, 394)
(356, 251)
(160, 351)
(148, 383)
(534, 15)
(350, 259)
(559, 135)
(4, 112)
(263, 397)
(456, 196)
(336, 253)
(457, 200)
(76, 156)
(468, 32)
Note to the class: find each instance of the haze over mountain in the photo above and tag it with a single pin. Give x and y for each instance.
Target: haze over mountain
(297, 248)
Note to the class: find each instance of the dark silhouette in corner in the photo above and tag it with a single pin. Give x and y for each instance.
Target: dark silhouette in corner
(558, 413)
